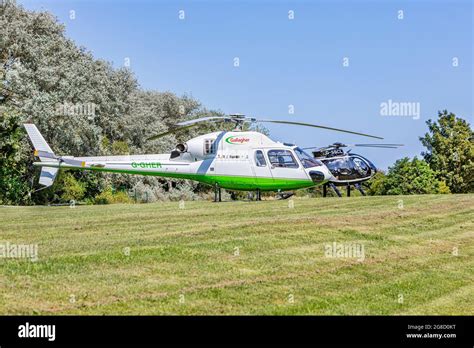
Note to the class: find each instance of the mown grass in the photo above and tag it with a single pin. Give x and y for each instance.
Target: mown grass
(243, 257)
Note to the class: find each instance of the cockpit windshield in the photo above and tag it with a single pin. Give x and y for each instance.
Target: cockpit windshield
(307, 160)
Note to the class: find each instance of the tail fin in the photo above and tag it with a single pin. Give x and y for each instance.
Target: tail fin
(48, 174)
(37, 139)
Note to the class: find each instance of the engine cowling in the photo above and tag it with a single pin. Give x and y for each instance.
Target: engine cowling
(200, 147)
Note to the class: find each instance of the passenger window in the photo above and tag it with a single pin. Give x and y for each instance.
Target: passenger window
(209, 146)
(260, 159)
(282, 158)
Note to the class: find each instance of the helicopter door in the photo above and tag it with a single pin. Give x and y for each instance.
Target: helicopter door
(263, 174)
(283, 165)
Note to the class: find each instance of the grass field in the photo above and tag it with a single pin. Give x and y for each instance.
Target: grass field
(243, 257)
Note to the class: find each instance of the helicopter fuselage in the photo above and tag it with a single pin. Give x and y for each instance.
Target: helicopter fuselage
(237, 160)
(348, 168)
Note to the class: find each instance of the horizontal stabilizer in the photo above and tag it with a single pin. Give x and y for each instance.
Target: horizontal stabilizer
(67, 160)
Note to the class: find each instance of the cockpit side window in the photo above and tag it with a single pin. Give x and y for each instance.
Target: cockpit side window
(307, 160)
(260, 159)
(282, 158)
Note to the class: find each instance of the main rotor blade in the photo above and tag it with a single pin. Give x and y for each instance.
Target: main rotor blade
(202, 119)
(318, 126)
(170, 131)
(315, 147)
(379, 145)
(382, 146)
(186, 125)
(242, 119)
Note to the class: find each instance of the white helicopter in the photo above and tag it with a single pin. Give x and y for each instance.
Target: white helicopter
(235, 160)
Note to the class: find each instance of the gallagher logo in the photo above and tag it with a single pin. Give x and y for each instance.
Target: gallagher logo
(237, 140)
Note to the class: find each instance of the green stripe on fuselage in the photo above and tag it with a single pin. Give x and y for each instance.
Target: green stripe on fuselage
(231, 182)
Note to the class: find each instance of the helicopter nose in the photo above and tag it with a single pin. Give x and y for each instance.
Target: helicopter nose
(320, 175)
(316, 176)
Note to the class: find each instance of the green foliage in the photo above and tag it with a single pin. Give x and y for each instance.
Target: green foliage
(407, 177)
(114, 148)
(72, 189)
(13, 160)
(443, 188)
(110, 197)
(377, 184)
(120, 148)
(450, 151)
(14, 188)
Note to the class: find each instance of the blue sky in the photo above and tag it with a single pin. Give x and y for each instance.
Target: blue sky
(295, 62)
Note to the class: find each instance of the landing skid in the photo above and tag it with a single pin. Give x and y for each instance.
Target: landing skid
(335, 189)
(257, 195)
(361, 190)
(217, 193)
(348, 189)
(285, 195)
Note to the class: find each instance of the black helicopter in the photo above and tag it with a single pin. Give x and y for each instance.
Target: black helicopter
(347, 168)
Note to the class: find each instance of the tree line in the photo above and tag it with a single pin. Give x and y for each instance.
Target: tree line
(446, 166)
